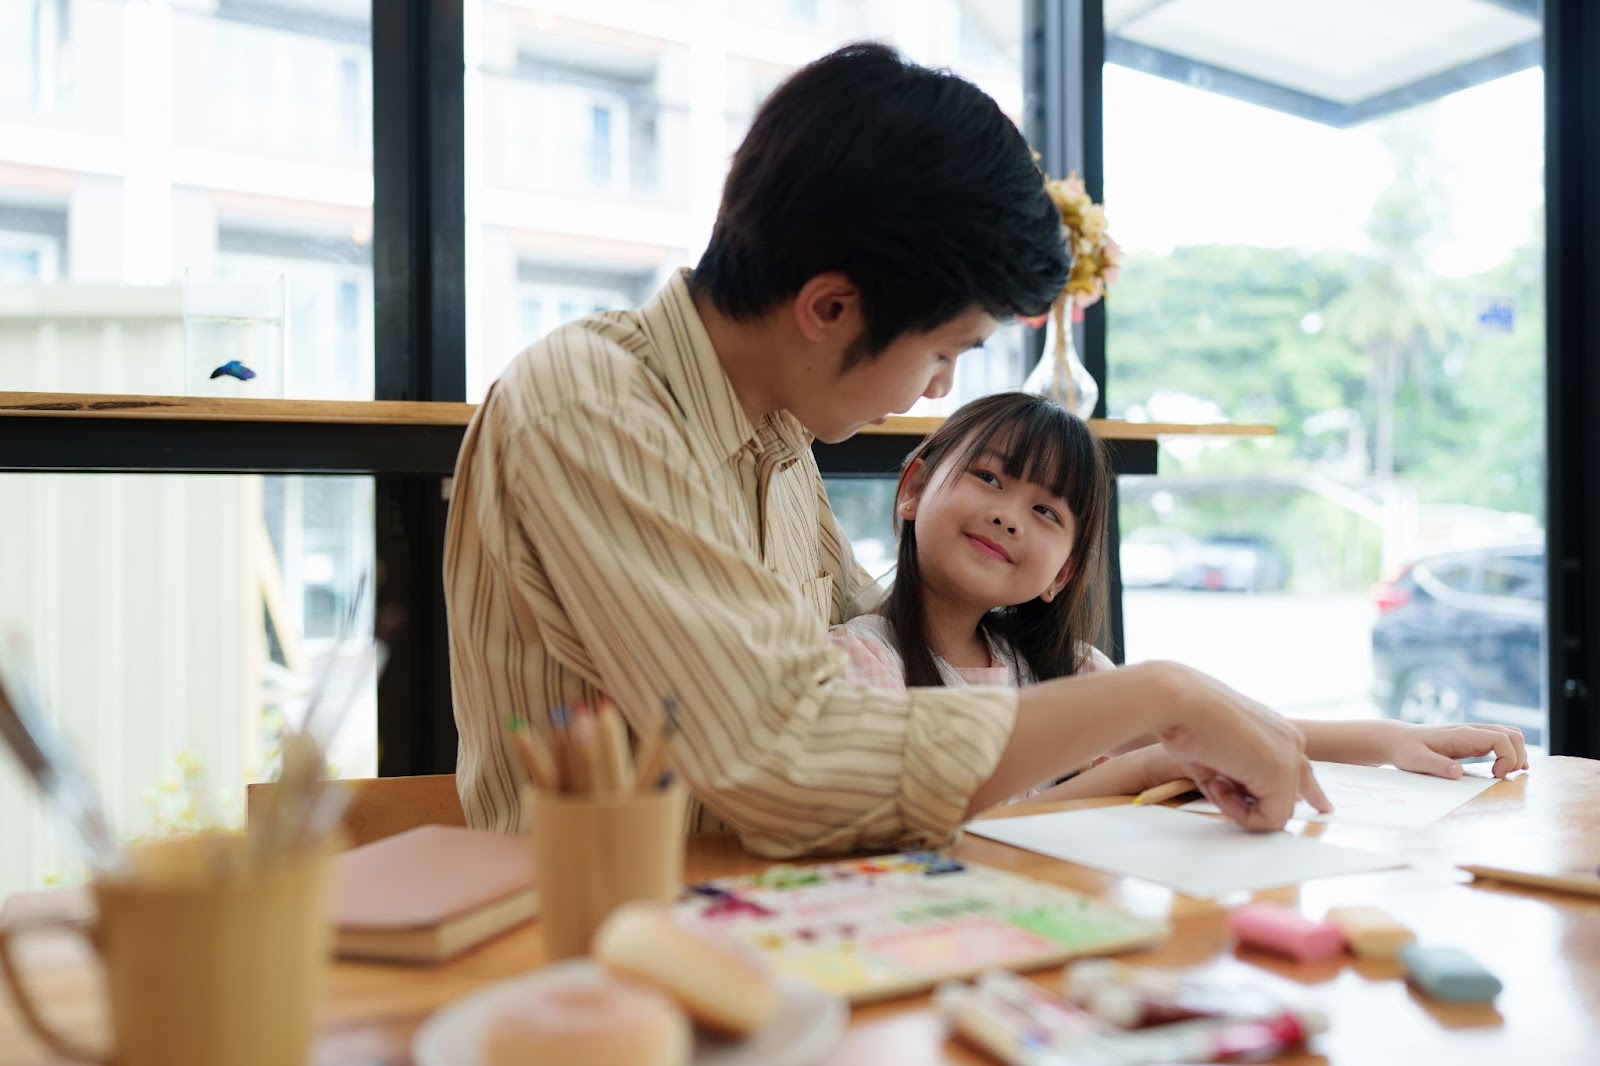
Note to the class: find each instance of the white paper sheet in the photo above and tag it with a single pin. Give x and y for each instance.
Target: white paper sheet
(1196, 856)
(1380, 795)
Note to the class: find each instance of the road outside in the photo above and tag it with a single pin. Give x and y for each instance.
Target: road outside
(1307, 656)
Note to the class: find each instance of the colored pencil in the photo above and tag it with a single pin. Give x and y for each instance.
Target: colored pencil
(1162, 793)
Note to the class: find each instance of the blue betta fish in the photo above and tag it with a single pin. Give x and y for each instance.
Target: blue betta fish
(234, 369)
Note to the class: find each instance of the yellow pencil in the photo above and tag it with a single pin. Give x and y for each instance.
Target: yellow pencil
(585, 766)
(611, 733)
(537, 761)
(654, 756)
(561, 747)
(1162, 793)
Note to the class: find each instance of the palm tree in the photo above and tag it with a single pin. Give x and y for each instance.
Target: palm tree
(1393, 312)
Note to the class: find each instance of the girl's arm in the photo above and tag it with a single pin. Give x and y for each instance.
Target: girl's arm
(1421, 749)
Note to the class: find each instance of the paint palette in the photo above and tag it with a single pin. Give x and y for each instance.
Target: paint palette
(876, 928)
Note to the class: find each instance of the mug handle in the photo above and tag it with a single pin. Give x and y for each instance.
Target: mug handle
(19, 991)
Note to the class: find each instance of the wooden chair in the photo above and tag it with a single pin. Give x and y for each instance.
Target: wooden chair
(384, 806)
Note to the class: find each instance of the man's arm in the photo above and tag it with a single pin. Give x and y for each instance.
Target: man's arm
(1246, 759)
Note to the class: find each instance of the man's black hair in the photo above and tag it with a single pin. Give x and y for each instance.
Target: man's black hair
(910, 181)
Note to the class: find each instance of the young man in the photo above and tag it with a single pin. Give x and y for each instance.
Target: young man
(636, 509)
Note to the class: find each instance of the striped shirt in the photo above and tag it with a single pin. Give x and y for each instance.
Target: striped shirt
(619, 525)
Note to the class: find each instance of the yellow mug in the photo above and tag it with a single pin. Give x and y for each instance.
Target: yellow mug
(207, 959)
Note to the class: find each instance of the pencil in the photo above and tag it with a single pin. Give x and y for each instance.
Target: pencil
(585, 756)
(537, 762)
(561, 746)
(1162, 793)
(654, 756)
(616, 763)
(1583, 882)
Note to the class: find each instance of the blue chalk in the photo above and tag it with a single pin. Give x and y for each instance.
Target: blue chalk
(1449, 974)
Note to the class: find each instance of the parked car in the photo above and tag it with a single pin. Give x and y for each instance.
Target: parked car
(1152, 556)
(1233, 564)
(1459, 637)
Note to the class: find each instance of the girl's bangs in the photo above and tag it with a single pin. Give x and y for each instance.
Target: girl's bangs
(1042, 444)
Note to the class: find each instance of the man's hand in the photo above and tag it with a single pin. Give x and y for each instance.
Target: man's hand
(1245, 758)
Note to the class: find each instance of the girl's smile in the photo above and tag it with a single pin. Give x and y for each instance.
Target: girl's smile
(990, 548)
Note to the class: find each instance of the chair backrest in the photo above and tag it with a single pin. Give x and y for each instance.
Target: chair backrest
(384, 806)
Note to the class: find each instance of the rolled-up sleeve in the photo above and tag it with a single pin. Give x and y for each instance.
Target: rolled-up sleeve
(640, 575)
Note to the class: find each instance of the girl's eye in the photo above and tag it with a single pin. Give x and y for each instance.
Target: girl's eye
(1048, 512)
(985, 476)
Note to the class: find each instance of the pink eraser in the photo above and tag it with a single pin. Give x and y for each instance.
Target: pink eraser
(1284, 931)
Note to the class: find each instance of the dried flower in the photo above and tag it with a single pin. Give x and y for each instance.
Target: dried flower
(1096, 258)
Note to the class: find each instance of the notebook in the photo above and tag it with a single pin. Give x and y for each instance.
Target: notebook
(419, 896)
(431, 892)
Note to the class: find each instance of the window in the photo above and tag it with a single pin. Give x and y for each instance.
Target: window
(27, 257)
(175, 621)
(255, 119)
(176, 618)
(598, 142)
(1372, 287)
(1520, 577)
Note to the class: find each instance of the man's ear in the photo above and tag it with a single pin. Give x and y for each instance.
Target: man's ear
(908, 494)
(827, 307)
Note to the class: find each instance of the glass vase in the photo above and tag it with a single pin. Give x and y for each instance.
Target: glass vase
(1060, 374)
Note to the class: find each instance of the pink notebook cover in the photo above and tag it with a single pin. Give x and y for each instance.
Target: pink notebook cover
(426, 876)
(413, 880)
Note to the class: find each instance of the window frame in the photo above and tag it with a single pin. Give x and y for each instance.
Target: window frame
(419, 328)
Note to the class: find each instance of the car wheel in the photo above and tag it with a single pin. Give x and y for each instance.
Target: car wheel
(1432, 695)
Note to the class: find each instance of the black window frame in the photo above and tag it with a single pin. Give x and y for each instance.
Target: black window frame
(419, 266)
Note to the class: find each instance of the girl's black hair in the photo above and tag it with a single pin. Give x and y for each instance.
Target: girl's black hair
(910, 181)
(1043, 443)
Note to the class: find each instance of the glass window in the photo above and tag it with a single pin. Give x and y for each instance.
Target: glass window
(1373, 290)
(176, 622)
(1457, 577)
(253, 121)
(597, 144)
(1519, 577)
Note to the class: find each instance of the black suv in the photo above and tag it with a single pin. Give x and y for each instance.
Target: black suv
(1460, 638)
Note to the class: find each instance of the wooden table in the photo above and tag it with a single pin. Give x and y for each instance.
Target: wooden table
(1544, 946)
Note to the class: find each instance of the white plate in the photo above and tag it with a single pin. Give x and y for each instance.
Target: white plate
(808, 1023)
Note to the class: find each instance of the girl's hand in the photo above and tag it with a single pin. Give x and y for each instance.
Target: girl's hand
(1434, 749)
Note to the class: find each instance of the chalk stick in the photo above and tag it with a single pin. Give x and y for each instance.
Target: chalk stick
(1284, 931)
(1371, 933)
(1449, 973)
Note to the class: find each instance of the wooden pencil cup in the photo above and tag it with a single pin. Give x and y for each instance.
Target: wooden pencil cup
(207, 961)
(593, 852)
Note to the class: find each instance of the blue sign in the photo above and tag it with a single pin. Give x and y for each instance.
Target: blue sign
(1496, 316)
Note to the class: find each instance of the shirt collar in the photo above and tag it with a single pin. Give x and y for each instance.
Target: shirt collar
(692, 372)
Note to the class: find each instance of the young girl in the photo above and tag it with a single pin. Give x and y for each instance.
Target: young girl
(1002, 516)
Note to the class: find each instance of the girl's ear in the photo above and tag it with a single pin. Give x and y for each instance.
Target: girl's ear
(909, 492)
(1062, 578)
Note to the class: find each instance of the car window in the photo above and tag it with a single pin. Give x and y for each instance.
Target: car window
(1516, 576)
(1454, 576)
